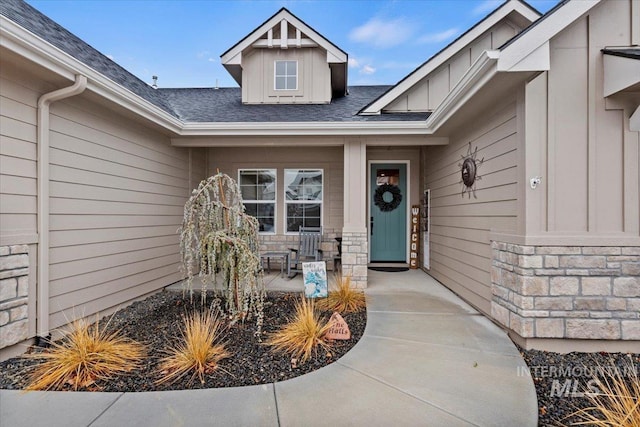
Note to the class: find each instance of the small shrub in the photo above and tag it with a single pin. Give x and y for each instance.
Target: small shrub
(343, 298)
(218, 240)
(198, 351)
(87, 353)
(618, 402)
(303, 334)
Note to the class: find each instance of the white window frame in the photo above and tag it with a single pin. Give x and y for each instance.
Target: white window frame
(287, 202)
(264, 202)
(276, 75)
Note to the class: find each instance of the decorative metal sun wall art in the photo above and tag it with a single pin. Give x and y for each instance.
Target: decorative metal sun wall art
(469, 171)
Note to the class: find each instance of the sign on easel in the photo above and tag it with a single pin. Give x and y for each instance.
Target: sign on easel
(314, 275)
(415, 236)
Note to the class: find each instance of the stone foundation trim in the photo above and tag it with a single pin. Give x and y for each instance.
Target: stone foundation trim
(567, 292)
(14, 289)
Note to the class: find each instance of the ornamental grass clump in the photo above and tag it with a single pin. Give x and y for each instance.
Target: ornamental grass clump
(616, 402)
(219, 241)
(198, 351)
(343, 298)
(86, 354)
(303, 334)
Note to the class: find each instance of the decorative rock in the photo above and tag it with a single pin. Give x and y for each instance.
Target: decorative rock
(339, 329)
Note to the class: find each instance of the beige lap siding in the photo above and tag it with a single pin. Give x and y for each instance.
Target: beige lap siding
(117, 196)
(460, 225)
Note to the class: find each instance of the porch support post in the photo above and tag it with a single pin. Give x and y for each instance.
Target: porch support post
(355, 244)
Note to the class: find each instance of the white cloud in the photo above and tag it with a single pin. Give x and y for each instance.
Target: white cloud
(203, 54)
(212, 60)
(397, 65)
(353, 63)
(383, 34)
(110, 57)
(368, 70)
(438, 37)
(486, 7)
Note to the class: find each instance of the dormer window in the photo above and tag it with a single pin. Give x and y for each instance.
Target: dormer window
(286, 75)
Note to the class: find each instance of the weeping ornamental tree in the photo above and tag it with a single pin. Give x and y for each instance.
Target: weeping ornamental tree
(219, 243)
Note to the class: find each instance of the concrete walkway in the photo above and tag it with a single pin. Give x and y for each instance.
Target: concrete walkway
(426, 358)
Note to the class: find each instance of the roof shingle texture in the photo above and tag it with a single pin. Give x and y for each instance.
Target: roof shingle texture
(633, 53)
(225, 105)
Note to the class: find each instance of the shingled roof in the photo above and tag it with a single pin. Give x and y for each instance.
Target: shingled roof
(225, 105)
(198, 104)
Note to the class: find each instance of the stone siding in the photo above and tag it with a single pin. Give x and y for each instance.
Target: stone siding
(576, 292)
(14, 291)
(355, 258)
(284, 242)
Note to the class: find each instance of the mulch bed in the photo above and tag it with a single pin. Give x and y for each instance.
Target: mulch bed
(561, 380)
(157, 321)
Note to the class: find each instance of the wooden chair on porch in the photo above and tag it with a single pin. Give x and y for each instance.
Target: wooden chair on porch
(309, 249)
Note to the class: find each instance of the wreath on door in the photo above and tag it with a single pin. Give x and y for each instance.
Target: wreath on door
(380, 202)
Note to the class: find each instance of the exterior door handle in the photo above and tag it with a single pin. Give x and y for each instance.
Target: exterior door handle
(371, 226)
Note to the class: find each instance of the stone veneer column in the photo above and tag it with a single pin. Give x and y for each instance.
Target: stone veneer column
(355, 244)
(14, 288)
(355, 257)
(576, 292)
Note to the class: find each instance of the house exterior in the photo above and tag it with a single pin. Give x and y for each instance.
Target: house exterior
(518, 142)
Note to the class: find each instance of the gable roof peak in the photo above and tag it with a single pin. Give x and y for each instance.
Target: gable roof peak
(265, 36)
(524, 12)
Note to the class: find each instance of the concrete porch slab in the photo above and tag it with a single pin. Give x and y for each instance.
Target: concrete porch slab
(468, 331)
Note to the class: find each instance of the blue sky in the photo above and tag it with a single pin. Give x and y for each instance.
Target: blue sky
(181, 41)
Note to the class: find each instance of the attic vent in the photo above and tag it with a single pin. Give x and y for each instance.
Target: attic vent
(155, 82)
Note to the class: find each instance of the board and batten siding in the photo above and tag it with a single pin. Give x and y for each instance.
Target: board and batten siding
(461, 223)
(314, 76)
(580, 141)
(117, 191)
(427, 94)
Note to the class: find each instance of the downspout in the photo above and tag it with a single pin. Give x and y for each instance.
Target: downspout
(42, 300)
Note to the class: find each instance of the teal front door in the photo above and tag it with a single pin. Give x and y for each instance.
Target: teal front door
(388, 207)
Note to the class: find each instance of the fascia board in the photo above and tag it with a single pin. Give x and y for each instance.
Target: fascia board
(634, 120)
(304, 128)
(538, 60)
(481, 71)
(28, 45)
(284, 14)
(540, 34)
(448, 53)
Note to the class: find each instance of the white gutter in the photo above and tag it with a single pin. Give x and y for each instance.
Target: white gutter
(42, 324)
(417, 127)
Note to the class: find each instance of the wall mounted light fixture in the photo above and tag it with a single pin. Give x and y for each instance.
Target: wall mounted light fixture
(535, 181)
